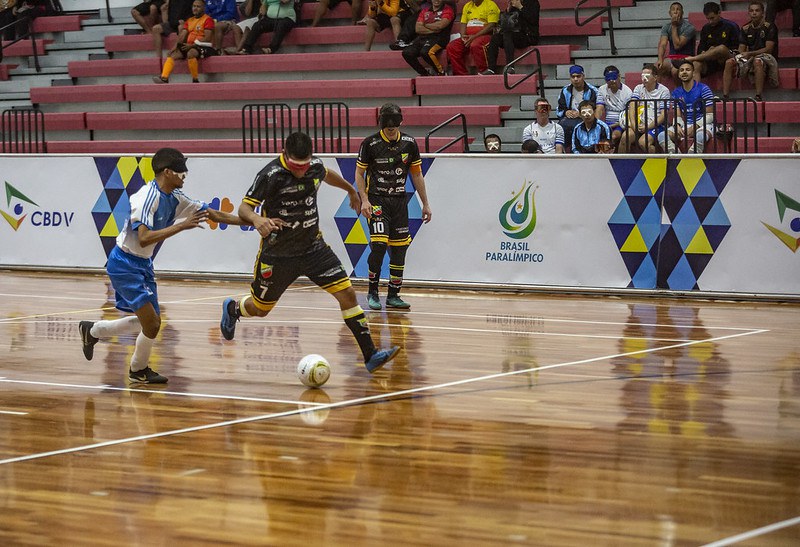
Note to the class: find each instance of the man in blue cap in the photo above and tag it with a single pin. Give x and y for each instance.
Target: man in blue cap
(612, 98)
(571, 97)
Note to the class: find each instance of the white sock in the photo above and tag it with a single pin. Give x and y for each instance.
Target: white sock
(107, 329)
(141, 352)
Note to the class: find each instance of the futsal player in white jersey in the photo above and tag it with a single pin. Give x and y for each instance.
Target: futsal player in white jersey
(549, 135)
(159, 210)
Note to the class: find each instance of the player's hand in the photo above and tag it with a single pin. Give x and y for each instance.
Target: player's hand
(426, 214)
(573, 114)
(265, 226)
(366, 209)
(196, 220)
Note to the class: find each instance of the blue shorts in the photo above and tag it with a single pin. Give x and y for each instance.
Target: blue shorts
(133, 280)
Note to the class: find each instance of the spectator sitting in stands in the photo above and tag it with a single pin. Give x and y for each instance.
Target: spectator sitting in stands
(248, 17)
(225, 15)
(698, 105)
(676, 42)
(612, 97)
(548, 135)
(277, 17)
(571, 96)
(147, 14)
(25, 11)
(478, 21)
(433, 33)
(194, 42)
(384, 14)
(718, 38)
(518, 28)
(758, 46)
(588, 134)
(492, 143)
(174, 14)
(644, 121)
(774, 6)
(796, 146)
(324, 5)
(408, 27)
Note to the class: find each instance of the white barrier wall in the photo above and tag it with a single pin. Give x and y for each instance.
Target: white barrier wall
(707, 224)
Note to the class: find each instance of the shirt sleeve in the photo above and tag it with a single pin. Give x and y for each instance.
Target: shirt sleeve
(187, 206)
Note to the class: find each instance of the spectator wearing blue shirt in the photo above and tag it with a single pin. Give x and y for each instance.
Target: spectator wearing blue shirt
(225, 15)
(587, 135)
(695, 116)
(571, 96)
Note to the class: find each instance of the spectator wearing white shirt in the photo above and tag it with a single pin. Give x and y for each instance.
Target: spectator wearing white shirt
(549, 135)
(646, 113)
(612, 97)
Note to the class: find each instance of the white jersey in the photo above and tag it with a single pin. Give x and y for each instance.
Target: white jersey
(614, 102)
(548, 136)
(156, 210)
(653, 109)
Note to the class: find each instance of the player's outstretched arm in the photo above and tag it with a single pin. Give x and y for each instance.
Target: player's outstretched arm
(227, 218)
(335, 179)
(149, 237)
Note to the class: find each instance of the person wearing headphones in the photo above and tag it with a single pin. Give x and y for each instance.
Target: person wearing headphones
(385, 160)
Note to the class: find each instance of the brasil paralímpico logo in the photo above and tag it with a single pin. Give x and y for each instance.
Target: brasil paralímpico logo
(518, 215)
(18, 210)
(789, 216)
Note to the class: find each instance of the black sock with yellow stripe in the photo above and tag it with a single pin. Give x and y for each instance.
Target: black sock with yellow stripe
(356, 321)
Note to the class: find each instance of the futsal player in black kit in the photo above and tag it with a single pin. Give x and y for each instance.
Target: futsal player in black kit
(384, 161)
(292, 244)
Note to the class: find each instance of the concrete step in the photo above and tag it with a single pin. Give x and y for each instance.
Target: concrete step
(657, 10)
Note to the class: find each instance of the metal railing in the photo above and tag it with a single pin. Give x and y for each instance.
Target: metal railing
(463, 136)
(606, 9)
(29, 34)
(22, 131)
(265, 127)
(328, 125)
(537, 69)
(744, 121)
(645, 121)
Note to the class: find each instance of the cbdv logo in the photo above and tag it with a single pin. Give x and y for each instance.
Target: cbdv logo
(518, 219)
(789, 217)
(38, 218)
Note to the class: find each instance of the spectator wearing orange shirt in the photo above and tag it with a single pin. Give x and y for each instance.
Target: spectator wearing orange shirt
(194, 42)
(384, 14)
(478, 21)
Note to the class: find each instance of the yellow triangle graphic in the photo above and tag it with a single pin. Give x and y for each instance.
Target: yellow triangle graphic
(110, 229)
(357, 235)
(635, 242)
(699, 244)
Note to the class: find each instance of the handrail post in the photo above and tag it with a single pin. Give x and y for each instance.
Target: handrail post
(606, 9)
(463, 136)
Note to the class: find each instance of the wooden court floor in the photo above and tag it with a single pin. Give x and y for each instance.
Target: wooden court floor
(506, 419)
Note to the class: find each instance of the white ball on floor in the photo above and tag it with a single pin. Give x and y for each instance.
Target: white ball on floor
(313, 370)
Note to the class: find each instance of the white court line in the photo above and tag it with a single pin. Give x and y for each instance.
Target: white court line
(178, 393)
(361, 400)
(754, 533)
(13, 412)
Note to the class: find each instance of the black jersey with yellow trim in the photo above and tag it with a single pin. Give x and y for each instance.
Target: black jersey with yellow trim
(294, 200)
(387, 163)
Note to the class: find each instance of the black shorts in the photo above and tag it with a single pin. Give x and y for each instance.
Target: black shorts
(204, 51)
(334, 3)
(389, 221)
(144, 7)
(273, 275)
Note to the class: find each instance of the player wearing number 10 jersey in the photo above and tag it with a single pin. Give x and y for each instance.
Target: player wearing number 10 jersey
(384, 161)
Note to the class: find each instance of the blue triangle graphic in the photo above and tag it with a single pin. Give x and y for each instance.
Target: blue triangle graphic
(717, 216)
(682, 277)
(622, 215)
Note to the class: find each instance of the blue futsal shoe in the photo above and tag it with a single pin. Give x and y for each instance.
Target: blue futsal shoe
(227, 324)
(381, 357)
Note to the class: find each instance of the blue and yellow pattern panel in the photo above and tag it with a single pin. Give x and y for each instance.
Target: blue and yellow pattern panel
(121, 177)
(671, 219)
